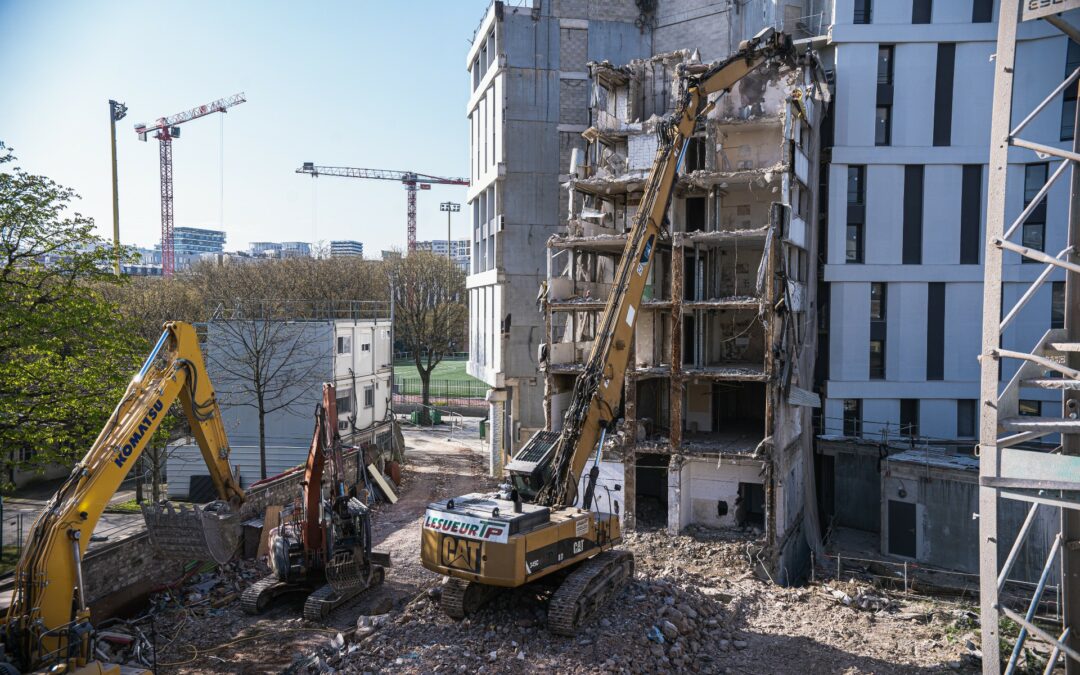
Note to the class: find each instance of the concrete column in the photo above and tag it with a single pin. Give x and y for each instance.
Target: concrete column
(676, 421)
(678, 513)
(496, 450)
(630, 489)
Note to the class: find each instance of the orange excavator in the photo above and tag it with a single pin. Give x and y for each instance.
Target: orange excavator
(323, 545)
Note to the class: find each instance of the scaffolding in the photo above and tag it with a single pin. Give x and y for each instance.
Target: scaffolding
(1045, 480)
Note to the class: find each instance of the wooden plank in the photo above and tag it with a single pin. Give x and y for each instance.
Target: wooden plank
(271, 519)
(383, 485)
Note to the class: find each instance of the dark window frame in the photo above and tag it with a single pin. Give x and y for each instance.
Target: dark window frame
(863, 12)
(885, 138)
(1035, 224)
(852, 411)
(909, 417)
(967, 417)
(891, 51)
(1068, 103)
(877, 370)
(922, 11)
(1057, 304)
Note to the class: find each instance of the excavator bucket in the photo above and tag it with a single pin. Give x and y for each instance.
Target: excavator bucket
(209, 532)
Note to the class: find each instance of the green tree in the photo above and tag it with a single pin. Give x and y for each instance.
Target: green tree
(65, 353)
(429, 312)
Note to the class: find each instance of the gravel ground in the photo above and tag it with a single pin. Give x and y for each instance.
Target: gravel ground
(694, 606)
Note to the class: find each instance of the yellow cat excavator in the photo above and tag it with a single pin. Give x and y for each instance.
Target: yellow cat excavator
(535, 529)
(47, 627)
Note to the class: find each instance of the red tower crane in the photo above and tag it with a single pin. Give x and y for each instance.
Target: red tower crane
(410, 179)
(166, 129)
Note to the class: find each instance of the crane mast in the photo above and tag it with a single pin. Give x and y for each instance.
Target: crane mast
(595, 400)
(410, 179)
(165, 129)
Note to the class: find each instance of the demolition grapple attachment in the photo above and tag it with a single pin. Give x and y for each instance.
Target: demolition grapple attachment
(209, 532)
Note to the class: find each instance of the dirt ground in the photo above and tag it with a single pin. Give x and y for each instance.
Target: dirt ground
(694, 606)
(437, 467)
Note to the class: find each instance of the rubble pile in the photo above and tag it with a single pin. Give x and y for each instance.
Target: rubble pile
(653, 625)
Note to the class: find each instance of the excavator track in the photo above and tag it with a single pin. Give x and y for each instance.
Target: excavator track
(587, 589)
(257, 597)
(461, 598)
(326, 598)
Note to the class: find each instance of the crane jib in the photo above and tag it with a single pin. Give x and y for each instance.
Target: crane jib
(146, 426)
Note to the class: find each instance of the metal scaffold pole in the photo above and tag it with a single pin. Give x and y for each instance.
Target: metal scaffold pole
(1012, 465)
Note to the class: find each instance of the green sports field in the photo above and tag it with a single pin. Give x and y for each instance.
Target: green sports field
(447, 370)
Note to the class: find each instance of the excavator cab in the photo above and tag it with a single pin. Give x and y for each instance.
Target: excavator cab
(530, 468)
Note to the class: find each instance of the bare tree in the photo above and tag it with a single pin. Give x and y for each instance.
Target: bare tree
(429, 314)
(266, 364)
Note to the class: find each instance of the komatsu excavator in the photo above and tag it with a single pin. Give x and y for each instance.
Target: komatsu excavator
(323, 546)
(534, 528)
(47, 627)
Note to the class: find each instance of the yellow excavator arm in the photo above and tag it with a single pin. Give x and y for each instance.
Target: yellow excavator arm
(598, 389)
(47, 621)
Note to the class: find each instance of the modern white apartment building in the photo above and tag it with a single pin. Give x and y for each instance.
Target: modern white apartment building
(901, 315)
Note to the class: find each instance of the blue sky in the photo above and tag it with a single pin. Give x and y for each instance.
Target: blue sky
(369, 84)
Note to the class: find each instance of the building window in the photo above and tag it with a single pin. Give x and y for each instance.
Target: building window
(877, 301)
(1068, 103)
(909, 417)
(877, 359)
(913, 215)
(885, 64)
(856, 213)
(943, 94)
(965, 418)
(878, 330)
(982, 11)
(1035, 225)
(863, 11)
(1057, 305)
(921, 11)
(853, 417)
(1030, 408)
(344, 345)
(856, 189)
(883, 125)
(970, 213)
(935, 330)
(344, 404)
(365, 347)
(369, 397)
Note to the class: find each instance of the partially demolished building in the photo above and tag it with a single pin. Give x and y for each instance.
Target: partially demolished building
(716, 426)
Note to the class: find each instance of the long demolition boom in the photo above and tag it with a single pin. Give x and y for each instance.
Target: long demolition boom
(597, 391)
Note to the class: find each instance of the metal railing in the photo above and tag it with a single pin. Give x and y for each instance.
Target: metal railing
(299, 310)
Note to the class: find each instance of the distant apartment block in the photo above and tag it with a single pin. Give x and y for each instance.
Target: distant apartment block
(285, 249)
(196, 240)
(459, 250)
(343, 248)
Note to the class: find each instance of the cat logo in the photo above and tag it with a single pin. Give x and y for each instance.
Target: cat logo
(462, 554)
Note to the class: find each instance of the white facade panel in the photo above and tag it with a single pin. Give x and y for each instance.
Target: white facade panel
(856, 92)
(914, 69)
(906, 348)
(941, 214)
(883, 233)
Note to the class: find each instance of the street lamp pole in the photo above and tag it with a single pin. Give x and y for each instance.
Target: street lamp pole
(117, 112)
(449, 207)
